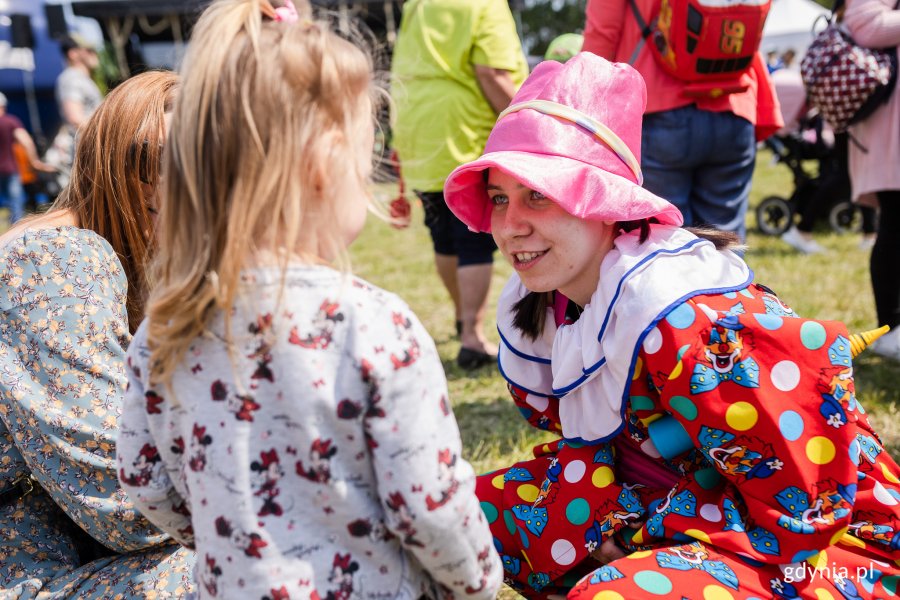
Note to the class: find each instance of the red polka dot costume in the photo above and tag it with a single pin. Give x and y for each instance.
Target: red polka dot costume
(735, 437)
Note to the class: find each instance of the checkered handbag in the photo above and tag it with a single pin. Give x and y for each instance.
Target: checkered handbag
(844, 80)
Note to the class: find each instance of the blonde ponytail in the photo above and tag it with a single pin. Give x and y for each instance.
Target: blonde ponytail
(267, 117)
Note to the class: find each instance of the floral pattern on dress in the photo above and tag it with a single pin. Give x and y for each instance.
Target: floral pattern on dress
(63, 336)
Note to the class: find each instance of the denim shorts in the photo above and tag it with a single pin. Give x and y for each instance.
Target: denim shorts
(702, 162)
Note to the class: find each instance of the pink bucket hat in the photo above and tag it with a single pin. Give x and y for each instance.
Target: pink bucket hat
(573, 133)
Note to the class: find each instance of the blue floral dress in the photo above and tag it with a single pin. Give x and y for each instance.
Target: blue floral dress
(63, 336)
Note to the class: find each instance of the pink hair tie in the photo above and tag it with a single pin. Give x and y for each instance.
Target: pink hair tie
(287, 13)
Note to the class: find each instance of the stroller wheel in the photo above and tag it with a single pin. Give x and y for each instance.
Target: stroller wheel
(845, 217)
(774, 215)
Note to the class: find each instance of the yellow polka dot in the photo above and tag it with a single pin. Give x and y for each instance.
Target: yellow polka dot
(637, 371)
(823, 594)
(852, 540)
(888, 474)
(546, 449)
(528, 492)
(697, 535)
(741, 416)
(716, 592)
(640, 553)
(676, 371)
(609, 595)
(820, 450)
(818, 560)
(837, 536)
(602, 477)
(498, 482)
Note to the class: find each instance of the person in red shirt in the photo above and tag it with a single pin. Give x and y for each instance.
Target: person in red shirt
(12, 131)
(698, 152)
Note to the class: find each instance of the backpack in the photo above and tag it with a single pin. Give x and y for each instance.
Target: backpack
(708, 44)
(844, 81)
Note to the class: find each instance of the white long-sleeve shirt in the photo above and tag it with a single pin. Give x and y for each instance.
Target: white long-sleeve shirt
(325, 460)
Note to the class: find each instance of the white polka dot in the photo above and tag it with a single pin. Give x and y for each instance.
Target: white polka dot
(574, 471)
(786, 375)
(650, 449)
(711, 513)
(563, 552)
(539, 403)
(882, 495)
(653, 341)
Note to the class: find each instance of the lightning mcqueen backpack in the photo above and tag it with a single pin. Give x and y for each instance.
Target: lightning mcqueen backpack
(708, 44)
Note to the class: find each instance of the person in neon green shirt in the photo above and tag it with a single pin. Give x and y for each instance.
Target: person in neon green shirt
(456, 65)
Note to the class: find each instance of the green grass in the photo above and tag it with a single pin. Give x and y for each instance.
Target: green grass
(834, 285)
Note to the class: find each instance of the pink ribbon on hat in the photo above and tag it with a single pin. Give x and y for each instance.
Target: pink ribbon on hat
(287, 13)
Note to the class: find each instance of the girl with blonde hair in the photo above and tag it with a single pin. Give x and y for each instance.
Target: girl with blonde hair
(73, 291)
(288, 420)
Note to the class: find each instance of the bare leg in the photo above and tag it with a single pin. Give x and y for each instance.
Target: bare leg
(446, 268)
(474, 284)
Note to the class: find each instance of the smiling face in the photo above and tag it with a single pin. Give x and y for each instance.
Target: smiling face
(549, 248)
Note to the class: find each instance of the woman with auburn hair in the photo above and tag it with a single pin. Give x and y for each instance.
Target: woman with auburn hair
(73, 292)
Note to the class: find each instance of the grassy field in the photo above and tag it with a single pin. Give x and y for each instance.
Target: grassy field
(834, 285)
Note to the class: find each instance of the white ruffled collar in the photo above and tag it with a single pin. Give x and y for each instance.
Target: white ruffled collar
(588, 364)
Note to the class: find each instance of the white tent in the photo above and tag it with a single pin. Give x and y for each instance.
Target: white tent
(790, 26)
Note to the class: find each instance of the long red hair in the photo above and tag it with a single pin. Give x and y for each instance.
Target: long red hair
(118, 149)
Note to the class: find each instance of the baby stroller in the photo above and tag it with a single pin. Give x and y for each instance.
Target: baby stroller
(830, 184)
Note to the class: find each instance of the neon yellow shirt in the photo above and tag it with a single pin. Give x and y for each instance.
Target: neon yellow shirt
(442, 118)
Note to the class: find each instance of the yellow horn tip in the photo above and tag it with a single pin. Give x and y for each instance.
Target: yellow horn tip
(859, 341)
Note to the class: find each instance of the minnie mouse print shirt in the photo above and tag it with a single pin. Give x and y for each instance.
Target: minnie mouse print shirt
(319, 459)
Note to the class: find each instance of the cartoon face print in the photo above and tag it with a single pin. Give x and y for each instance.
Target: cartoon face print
(446, 464)
(147, 467)
(319, 468)
(250, 543)
(267, 471)
(342, 569)
(198, 443)
(322, 330)
(242, 406)
(209, 576)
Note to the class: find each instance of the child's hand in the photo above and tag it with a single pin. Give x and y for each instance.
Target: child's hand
(400, 210)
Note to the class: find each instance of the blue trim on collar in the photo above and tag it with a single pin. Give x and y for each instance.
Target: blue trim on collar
(639, 345)
(511, 382)
(537, 359)
(640, 263)
(587, 372)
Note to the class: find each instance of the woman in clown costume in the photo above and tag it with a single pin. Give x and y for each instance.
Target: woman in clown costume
(711, 445)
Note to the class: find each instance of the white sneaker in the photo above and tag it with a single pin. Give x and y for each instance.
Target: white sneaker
(888, 345)
(793, 237)
(866, 243)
